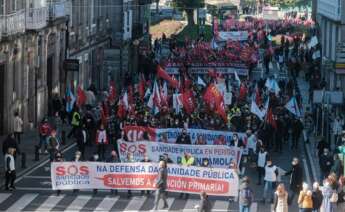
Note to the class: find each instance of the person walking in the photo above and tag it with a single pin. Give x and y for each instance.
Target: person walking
(246, 196)
(271, 173)
(80, 136)
(162, 185)
(10, 169)
(296, 179)
(316, 197)
(53, 145)
(44, 132)
(305, 201)
(113, 159)
(101, 141)
(187, 160)
(326, 163)
(205, 205)
(280, 203)
(18, 126)
(261, 163)
(328, 201)
(76, 119)
(58, 158)
(336, 167)
(341, 194)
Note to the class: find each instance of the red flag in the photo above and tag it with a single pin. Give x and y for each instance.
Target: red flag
(258, 98)
(112, 91)
(141, 87)
(81, 98)
(104, 114)
(121, 110)
(130, 95)
(243, 92)
(270, 120)
(212, 96)
(187, 99)
(161, 73)
(220, 110)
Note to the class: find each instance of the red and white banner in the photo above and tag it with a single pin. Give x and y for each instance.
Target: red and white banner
(218, 155)
(143, 176)
(135, 133)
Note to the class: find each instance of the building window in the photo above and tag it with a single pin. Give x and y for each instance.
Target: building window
(2, 5)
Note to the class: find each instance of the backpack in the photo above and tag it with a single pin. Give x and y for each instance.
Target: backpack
(246, 196)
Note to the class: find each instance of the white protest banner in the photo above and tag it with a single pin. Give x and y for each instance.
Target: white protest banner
(233, 35)
(135, 133)
(143, 176)
(218, 155)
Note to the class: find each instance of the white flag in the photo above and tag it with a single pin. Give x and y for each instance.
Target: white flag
(201, 82)
(237, 78)
(125, 100)
(293, 107)
(254, 108)
(272, 85)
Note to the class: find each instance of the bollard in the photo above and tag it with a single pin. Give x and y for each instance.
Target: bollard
(37, 154)
(23, 160)
(63, 137)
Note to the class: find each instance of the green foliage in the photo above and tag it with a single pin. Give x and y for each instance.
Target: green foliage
(192, 33)
(188, 4)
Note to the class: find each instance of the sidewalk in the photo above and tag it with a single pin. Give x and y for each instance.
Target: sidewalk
(28, 142)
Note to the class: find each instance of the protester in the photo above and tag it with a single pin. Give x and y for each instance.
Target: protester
(305, 201)
(58, 158)
(280, 199)
(53, 144)
(326, 162)
(161, 185)
(18, 126)
(329, 197)
(184, 138)
(44, 132)
(296, 179)
(271, 173)
(316, 197)
(186, 160)
(101, 141)
(10, 169)
(204, 205)
(261, 163)
(10, 142)
(336, 167)
(341, 194)
(113, 159)
(246, 196)
(75, 123)
(80, 136)
(146, 160)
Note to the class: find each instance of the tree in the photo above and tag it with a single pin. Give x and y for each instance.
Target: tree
(189, 6)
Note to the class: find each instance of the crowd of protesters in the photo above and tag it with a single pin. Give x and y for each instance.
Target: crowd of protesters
(97, 128)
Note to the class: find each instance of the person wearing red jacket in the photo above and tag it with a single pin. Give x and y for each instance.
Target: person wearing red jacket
(101, 141)
(44, 132)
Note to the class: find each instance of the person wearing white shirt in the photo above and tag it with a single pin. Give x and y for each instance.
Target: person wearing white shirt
(261, 163)
(271, 174)
(18, 126)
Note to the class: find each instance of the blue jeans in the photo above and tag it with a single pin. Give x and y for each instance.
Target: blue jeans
(268, 190)
(244, 208)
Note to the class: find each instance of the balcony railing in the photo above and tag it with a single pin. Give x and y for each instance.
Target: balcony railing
(59, 9)
(36, 18)
(12, 23)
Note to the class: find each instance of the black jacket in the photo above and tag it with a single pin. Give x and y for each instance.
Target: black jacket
(317, 199)
(326, 162)
(183, 139)
(9, 142)
(296, 179)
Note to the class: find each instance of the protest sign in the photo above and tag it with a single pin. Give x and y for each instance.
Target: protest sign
(143, 176)
(135, 133)
(233, 35)
(218, 155)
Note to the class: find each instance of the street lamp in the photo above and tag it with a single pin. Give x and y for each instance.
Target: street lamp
(342, 153)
